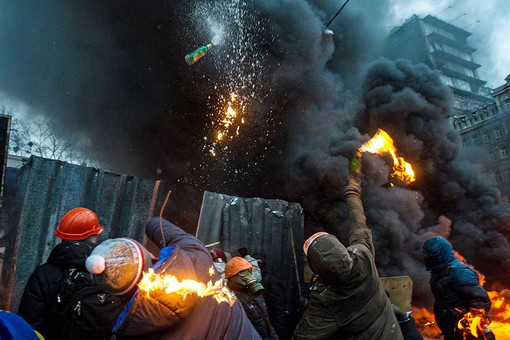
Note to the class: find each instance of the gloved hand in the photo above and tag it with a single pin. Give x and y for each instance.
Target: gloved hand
(355, 164)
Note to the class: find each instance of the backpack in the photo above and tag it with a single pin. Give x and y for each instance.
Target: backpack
(82, 309)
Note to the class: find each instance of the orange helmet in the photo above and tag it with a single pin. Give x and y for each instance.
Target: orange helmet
(78, 224)
(235, 265)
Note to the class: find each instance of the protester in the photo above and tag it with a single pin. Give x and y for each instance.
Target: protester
(257, 274)
(117, 266)
(455, 287)
(58, 315)
(239, 273)
(348, 300)
(274, 296)
(219, 261)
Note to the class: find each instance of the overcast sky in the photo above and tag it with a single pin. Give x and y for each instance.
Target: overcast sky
(486, 20)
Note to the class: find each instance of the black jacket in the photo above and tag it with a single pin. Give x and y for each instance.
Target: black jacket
(41, 290)
(256, 310)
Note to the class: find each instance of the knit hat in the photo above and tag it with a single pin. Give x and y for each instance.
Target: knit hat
(117, 264)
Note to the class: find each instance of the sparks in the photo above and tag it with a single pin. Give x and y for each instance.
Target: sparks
(229, 123)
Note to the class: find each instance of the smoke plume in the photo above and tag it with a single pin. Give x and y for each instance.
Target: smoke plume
(114, 72)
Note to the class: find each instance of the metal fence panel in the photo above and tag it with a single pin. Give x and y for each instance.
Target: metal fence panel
(268, 226)
(45, 191)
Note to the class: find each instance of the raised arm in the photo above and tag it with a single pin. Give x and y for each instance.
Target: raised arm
(174, 235)
(358, 230)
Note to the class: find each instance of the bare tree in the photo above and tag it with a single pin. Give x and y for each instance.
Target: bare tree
(38, 137)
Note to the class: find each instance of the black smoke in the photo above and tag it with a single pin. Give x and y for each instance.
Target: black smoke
(114, 72)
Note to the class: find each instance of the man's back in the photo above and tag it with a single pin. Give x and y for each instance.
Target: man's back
(356, 308)
(348, 301)
(41, 290)
(57, 303)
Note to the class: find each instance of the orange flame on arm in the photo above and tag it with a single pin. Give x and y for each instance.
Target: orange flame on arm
(171, 284)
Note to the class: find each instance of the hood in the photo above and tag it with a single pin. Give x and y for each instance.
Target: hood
(437, 252)
(329, 258)
(70, 254)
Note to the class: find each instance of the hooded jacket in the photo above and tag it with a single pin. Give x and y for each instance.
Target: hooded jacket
(348, 300)
(159, 317)
(41, 290)
(455, 286)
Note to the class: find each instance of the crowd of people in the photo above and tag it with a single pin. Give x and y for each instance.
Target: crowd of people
(87, 290)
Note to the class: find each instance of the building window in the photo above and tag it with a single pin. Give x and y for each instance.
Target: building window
(494, 156)
(447, 80)
(499, 133)
(506, 103)
(486, 137)
(465, 140)
(499, 178)
(503, 151)
(476, 139)
(461, 84)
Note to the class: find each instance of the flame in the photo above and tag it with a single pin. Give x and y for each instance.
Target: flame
(171, 284)
(229, 122)
(381, 143)
(425, 322)
(473, 322)
(498, 319)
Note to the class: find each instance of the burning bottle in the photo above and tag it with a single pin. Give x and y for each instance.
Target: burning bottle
(197, 54)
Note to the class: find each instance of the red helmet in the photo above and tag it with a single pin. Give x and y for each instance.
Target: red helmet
(235, 265)
(78, 224)
(217, 253)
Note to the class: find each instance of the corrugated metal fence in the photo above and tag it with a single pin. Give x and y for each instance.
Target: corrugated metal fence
(268, 226)
(45, 191)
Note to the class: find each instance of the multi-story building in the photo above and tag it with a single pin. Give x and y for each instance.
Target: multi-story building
(481, 115)
(489, 127)
(443, 47)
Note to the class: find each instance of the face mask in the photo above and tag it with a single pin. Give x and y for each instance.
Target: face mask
(245, 279)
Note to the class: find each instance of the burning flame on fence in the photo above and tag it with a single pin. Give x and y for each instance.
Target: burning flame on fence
(229, 123)
(499, 321)
(171, 284)
(381, 143)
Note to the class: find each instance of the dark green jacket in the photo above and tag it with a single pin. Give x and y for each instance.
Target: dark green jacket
(348, 301)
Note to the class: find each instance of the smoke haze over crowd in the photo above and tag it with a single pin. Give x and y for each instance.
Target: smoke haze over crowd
(115, 72)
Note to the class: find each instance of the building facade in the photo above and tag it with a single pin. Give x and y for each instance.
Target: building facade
(443, 47)
(481, 115)
(489, 128)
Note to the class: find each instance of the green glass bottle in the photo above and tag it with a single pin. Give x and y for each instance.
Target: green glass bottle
(197, 54)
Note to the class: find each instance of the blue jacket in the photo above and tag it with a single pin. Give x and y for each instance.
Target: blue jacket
(162, 317)
(455, 286)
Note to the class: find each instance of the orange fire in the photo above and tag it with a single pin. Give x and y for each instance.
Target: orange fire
(474, 323)
(172, 285)
(229, 123)
(475, 320)
(425, 322)
(381, 143)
